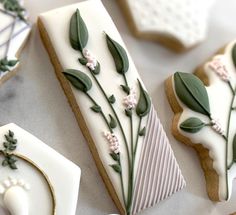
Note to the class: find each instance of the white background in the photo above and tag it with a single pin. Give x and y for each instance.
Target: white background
(35, 101)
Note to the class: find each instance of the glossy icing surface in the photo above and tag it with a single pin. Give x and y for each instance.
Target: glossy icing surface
(25, 190)
(108, 76)
(220, 97)
(185, 20)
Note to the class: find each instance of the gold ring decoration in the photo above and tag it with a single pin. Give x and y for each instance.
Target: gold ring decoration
(42, 173)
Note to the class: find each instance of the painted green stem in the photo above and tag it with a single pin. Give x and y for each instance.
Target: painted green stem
(136, 143)
(227, 136)
(114, 112)
(122, 183)
(121, 128)
(101, 112)
(131, 179)
(110, 129)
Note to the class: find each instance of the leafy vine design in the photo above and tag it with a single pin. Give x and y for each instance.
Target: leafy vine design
(81, 81)
(14, 7)
(192, 92)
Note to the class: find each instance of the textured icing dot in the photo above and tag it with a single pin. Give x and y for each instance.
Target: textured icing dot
(183, 19)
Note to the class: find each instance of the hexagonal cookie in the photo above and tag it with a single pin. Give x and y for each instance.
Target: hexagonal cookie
(34, 178)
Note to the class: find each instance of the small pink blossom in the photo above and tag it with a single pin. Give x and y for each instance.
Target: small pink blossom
(217, 126)
(113, 142)
(219, 68)
(130, 101)
(92, 62)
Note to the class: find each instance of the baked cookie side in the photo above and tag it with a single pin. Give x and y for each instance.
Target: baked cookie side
(111, 105)
(204, 116)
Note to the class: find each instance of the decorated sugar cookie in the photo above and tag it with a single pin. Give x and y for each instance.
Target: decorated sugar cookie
(14, 31)
(205, 118)
(34, 178)
(112, 106)
(178, 24)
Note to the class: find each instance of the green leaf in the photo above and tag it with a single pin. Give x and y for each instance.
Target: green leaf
(97, 69)
(234, 148)
(144, 103)
(192, 125)
(12, 63)
(116, 167)
(78, 79)
(83, 61)
(4, 62)
(192, 92)
(11, 133)
(78, 32)
(96, 108)
(115, 157)
(234, 54)
(12, 160)
(112, 99)
(112, 123)
(4, 68)
(6, 144)
(5, 162)
(13, 166)
(12, 147)
(119, 55)
(128, 112)
(126, 89)
(142, 132)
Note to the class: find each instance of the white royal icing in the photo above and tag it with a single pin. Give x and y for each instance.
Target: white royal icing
(105, 142)
(96, 45)
(18, 39)
(220, 97)
(24, 191)
(185, 20)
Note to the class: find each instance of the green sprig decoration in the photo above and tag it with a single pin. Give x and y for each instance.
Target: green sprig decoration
(6, 65)
(14, 7)
(9, 146)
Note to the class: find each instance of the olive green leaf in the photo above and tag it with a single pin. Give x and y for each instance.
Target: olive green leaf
(115, 157)
(112, 99)
(6, 64)
(128, 112)
(83, 61)
(97, 69)
(234, 54)
(12, 63)
(192, 125)
(112, 123)
(144, 103)
(96, 108)
(142, 132)
(116, 167)
(78, 79)
(78, 32)
(234, 148)
(192, 92)
(126, 89)
(119, 55)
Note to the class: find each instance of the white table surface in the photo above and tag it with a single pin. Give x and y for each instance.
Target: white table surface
(35, 101)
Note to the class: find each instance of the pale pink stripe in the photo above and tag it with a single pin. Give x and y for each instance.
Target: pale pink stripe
(158, 174)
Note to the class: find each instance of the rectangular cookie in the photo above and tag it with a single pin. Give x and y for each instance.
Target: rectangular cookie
(111, 105)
